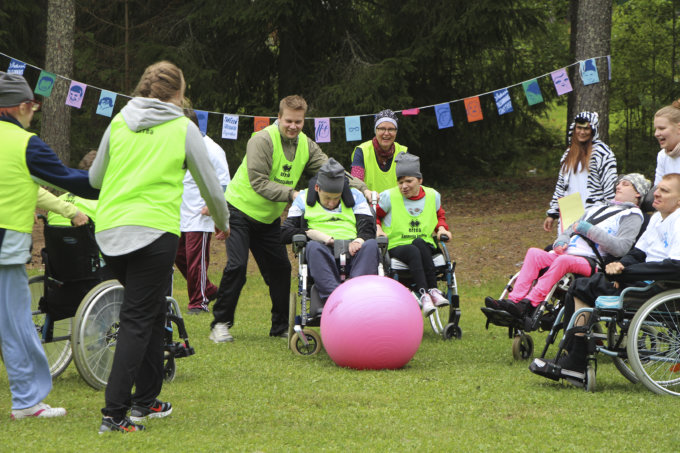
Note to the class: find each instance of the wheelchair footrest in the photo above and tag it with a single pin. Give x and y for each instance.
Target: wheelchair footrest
(179, 349)
(549, 369)
(501, 318)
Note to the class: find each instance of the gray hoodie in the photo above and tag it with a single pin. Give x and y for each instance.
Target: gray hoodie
(143, 113)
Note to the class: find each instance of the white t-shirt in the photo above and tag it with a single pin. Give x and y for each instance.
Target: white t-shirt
(577, 182)
(192, 203)
(665, 165)
(661, 239)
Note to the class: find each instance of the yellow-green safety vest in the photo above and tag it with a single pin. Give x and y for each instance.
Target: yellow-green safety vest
(339, 225)
(374, 177)
(404, 227)
(16, 211)
(87, 207)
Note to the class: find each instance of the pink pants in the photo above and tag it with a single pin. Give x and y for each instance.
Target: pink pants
(558, 266)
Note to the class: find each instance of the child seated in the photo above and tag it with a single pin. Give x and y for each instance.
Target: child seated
(409, 214)
(613, 226)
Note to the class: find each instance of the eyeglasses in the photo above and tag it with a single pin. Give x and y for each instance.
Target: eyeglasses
(35, 105)
(390, 130)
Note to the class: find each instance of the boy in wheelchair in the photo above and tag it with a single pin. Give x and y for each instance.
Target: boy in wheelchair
(656, 256)
(604, 231)
(338, 221)
(408, 215)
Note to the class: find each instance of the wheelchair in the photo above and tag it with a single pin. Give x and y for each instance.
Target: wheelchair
(76, 308)
(445, 274)
(301, 339)
(642, 338)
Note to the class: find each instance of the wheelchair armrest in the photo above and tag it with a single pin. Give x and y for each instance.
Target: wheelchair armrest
(382, 242)
(444, 238)
(299, 241)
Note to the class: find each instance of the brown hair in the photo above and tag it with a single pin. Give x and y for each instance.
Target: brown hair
(162, 80)
(578, 153)
(673, 177)
(9, 111)
(671, 112)
(293, 102)
(86, 162)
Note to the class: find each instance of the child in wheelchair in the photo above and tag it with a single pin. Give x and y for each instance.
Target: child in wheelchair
(604, 231)
(340, 226)
(656, 256)
(409, 214)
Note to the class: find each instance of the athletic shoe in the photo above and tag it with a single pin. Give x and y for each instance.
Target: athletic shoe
(490, 302)
(517, 309)
(203, 308)
(109, 425)
(40, 410)
(438, 298)
(426, 302)
(220, 333)
(157, 409)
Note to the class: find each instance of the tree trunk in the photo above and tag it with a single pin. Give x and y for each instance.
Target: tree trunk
(56, 117)
(593, 39)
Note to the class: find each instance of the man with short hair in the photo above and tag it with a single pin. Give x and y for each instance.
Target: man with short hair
(264, 183)
(656, 256)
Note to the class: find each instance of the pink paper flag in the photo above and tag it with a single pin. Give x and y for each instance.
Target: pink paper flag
(322, 126)
(561, 81)
(410, 112)
(75, 94)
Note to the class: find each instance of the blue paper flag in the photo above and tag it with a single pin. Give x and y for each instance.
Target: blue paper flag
(353, 128)
(503, 101)
(588, 70)
(16, 67)
(107, 99)
(443, 113)
(202, 117)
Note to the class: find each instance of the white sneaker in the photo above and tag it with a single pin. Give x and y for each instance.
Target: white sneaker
(438, 298)
(220, 333)
(426, 302)
(41, 410)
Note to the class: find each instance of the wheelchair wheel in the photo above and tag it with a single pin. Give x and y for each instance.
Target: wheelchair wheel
(58, 351)
(452, 331)
(621, 363)
(654, 343)
(95, 332)
(292, 310)
(522, 347)
(591, 379)
(299, 347)
(169, 366)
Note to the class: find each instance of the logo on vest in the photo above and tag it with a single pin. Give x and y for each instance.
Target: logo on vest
(414, 226)
(145, 131)
(283, 174)
(285, 170)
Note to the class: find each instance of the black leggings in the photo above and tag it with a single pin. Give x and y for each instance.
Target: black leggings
(418, 257)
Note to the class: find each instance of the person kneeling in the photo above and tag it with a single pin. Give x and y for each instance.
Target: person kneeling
(612, 227)
(331, 213)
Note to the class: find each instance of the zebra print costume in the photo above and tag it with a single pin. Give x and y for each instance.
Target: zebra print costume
(602, 175)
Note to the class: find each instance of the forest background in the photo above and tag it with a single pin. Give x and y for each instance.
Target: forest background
(357, 57)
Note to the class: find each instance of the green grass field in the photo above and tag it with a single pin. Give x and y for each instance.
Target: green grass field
(255, 395)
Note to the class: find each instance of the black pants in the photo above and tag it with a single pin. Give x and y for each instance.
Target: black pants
(138, 360)
(418, 257)
(264, 241)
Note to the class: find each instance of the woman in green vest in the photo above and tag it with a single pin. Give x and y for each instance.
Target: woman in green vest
(409, 214)
(140, 165)
(372, 160)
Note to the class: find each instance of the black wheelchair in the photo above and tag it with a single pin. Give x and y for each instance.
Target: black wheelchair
(76, 308)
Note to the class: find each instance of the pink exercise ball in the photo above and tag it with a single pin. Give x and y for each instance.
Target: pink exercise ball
(371, 322)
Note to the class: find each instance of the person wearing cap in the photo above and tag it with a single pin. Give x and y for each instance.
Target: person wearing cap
(612, 226)
(588, 167)
(276, 157)
(325, 213)
(25, 160)
(409, 214)
(372, 160)
(656, 256)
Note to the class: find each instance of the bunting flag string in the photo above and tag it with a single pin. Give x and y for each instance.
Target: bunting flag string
(587, 70)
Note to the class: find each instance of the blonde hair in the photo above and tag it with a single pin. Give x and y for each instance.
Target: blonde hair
(293, 102)
(162, 80)
(671, 112)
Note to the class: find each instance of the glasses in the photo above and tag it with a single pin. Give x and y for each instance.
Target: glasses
(390, 130)
(35, 105)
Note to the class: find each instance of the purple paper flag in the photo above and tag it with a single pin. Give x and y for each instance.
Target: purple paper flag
(561, 81)
(322, 127)
(75, 94)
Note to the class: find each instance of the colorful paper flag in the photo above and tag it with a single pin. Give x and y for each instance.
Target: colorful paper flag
(588, 70)
(45, 84)
(76, 93)
(473, 109)
(202, 117)
(443, 113)
(353, 128)
(16, 67)
(408, 112)
(107, 99)
(230, 127)
(561, 80)
(503, 101)
(532, 91)
(260, 122)
(322, 128)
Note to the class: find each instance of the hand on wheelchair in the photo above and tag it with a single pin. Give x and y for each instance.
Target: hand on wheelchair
(79, 219)
(317, 235)
(355, 245)
(443, 234)
(559, 248)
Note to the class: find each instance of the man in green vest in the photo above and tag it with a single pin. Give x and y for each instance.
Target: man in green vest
(264, 183)
(330, 213)
(372, 161)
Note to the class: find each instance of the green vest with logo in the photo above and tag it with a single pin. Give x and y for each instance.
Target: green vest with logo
(87, 207)
(339, 225)
(16, 211)
(241, 194)
(143, 183)
(374, 177)
(404, 227)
